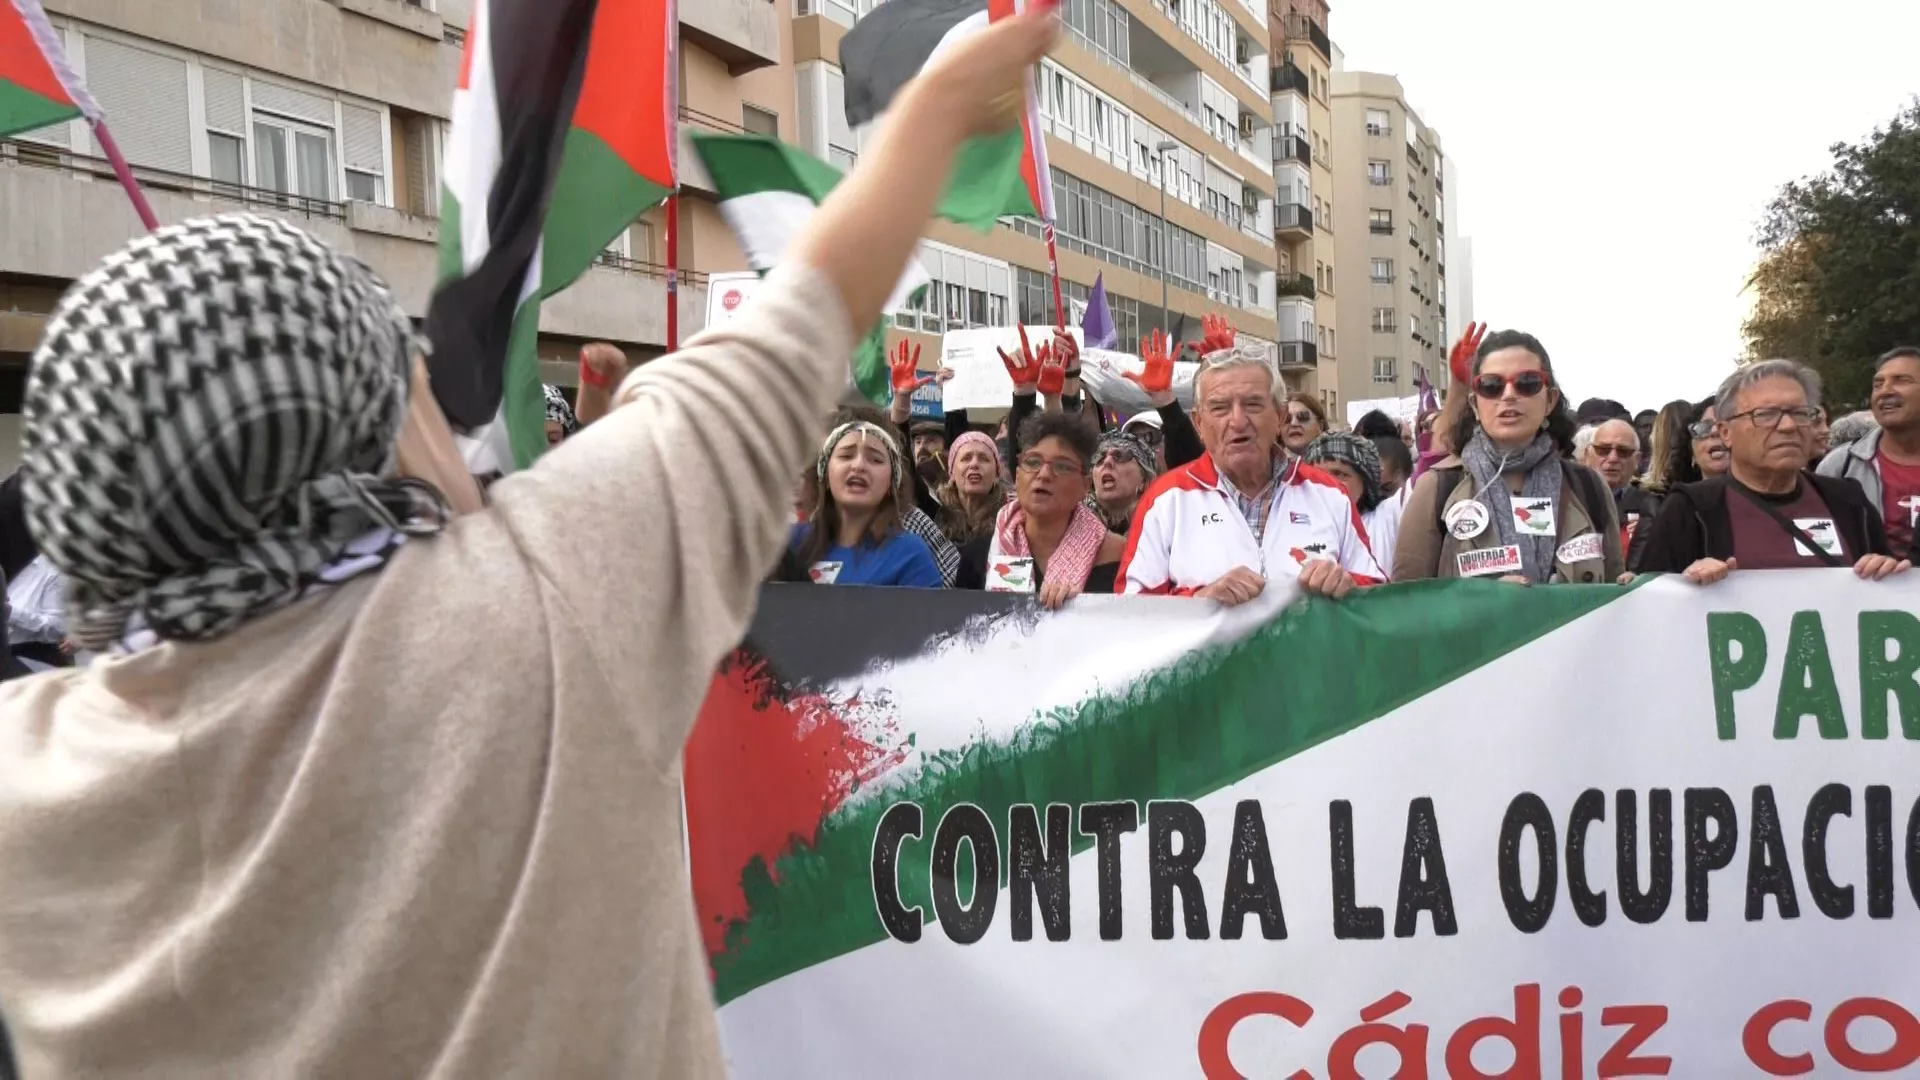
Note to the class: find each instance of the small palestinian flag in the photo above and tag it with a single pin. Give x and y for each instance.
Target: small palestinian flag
(995, 175)
(37, 85)
(767, 191)
(562, 135)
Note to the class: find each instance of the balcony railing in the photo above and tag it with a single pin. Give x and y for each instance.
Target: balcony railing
(1295, 148)
(1293, 217)
(1299, 26)
(52, 157)
(1298, 354)
(616, 261)
(1389, 327)
(1380, 228)
(1299, 285)
(1287, 78)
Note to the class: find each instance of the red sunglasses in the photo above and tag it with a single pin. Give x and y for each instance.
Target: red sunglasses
(1526, 384)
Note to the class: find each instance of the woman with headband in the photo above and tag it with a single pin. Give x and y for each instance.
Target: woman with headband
(853, 536)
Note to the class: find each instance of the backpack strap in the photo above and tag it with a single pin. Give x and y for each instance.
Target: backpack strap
(1446, 480)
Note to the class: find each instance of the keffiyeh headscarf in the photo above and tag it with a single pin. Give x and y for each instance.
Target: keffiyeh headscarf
(209, 430)
(558, 409)
(896, 461)
(1355, 451)
(1133, 446)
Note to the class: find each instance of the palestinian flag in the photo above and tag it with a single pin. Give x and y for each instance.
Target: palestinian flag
(37, 85)
(994, 176)
(960, 835)
(563, 133)
(767, 191)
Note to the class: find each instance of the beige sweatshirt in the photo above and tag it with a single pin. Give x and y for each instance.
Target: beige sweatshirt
(427, 824)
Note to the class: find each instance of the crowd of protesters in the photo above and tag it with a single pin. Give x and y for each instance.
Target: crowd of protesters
(381, 778)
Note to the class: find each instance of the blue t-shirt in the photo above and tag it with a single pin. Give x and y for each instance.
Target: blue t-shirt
(900, 559)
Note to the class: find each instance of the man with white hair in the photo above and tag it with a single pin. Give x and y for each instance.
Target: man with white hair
(1767, 512)
(1613, 450)
(1248, 511)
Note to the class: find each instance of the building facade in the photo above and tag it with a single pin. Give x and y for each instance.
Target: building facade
(333, 114)
(1159, 133)
(1390, 224)
(1301, 82)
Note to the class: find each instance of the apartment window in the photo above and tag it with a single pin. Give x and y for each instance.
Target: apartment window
(292, 158)
(1383, 320)
(1380, 221)
(227, 158)
(1378, 174)
(759, 121)
(1383, 369)
(1383, 271)
(1378, 123)
(1330, 346)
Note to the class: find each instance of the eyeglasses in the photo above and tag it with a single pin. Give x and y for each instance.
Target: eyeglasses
(1603, 450)
(1033, 463)
(1153, 437)
(1700, 430)
(1526, 384)
(1770, 417)
(1113, 457)
(1301, 417)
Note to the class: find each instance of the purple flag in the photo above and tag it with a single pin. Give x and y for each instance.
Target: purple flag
(1096, 326)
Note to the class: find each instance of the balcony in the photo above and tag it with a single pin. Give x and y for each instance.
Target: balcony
(1299, 285)
(1300, 27)
(1294, 148)
(1298, 354)
(1293, 220)
(1288, 79)
(1380, 228)
(744, 34)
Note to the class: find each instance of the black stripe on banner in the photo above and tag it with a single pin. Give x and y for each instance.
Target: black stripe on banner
(890, 45)
(814, 634)
(539, 50)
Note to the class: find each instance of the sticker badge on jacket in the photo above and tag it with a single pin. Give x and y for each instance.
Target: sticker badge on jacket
(1580, 549)
(1010, 575)
(1306, 553)
(1493, 562)
(1466, 519)
(1533, 517)
(1821, 531)
(825, 573)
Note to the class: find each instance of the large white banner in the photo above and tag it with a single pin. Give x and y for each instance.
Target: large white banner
(1460, 829)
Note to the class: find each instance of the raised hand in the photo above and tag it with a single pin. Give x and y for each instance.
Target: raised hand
(905, 365)
(1460, 361)
(1068, 350)
(1053, 363)
(1157, 380)
(1023, 369)
(1215, 334)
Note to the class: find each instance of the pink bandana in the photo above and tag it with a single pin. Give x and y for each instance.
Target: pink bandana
(1072, 560)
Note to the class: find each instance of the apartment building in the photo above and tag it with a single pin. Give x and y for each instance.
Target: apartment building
(1390, 229)
(333, 114)
(1159, 131)
(1301, 85)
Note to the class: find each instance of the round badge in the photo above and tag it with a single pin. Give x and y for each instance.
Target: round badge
(1466, 519)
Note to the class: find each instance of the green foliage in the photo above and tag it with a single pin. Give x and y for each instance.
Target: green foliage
(1839, 277)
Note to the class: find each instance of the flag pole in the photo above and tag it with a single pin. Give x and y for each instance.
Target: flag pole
(1053, 271)
(125, 175)
(673, 271)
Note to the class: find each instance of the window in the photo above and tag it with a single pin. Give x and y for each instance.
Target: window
(1329, 347)
(293, 159)
(1378, 123)
(1383, 369)
(1383, 320)
(1380, 221)
(1383, 271)
(1378, 174)
(227, 156)
(759, 121)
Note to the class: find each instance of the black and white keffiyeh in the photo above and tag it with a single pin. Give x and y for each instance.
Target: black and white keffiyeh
(559, 411)
(209, 430)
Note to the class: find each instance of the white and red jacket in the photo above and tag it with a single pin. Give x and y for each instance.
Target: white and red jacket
(1188, 532)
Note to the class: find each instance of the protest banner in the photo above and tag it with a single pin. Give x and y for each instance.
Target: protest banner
(1443, 829)
(980, 379)
(1405, 409)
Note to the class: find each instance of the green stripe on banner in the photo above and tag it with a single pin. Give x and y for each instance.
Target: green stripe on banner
(22, 110)
(1208, 722)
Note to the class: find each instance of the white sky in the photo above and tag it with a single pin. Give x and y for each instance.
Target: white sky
(1614, 161)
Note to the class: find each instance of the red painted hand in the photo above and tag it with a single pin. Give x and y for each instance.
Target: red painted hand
(1215, 334)
(1158, 378)
(1023, 369)
(905, 366)
(1460, 361)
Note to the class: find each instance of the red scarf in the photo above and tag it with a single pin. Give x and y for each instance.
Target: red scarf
(1079, 546)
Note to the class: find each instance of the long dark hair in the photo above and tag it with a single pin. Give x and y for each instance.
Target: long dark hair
(1681, 468)
(1560, 423)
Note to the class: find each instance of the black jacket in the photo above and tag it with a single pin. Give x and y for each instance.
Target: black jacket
(1693, 524)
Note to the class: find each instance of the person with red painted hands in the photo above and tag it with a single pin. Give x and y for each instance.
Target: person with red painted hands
(1767, 512)
(1247, 512)
(1509, 502)
(1050, 370)
(1167, 431)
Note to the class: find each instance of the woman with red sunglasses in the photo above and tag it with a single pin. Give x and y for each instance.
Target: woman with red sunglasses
(1509, 502)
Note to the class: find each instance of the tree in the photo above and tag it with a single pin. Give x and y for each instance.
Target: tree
(1838, 282)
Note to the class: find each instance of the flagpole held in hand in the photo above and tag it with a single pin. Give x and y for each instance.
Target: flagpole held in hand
(673, 271)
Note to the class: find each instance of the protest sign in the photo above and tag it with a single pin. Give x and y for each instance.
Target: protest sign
(979, 377)
(1103, 374)
(1399, 834)
(1402, 408)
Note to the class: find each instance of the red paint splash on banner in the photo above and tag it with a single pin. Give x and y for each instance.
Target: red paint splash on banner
(785, 764)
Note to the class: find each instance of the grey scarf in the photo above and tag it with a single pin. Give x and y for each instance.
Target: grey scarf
(1540, 461)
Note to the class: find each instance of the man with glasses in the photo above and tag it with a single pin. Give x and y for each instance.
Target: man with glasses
(1767, 513)
(1247, 511)
(1614, 453)
(1886, 461)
